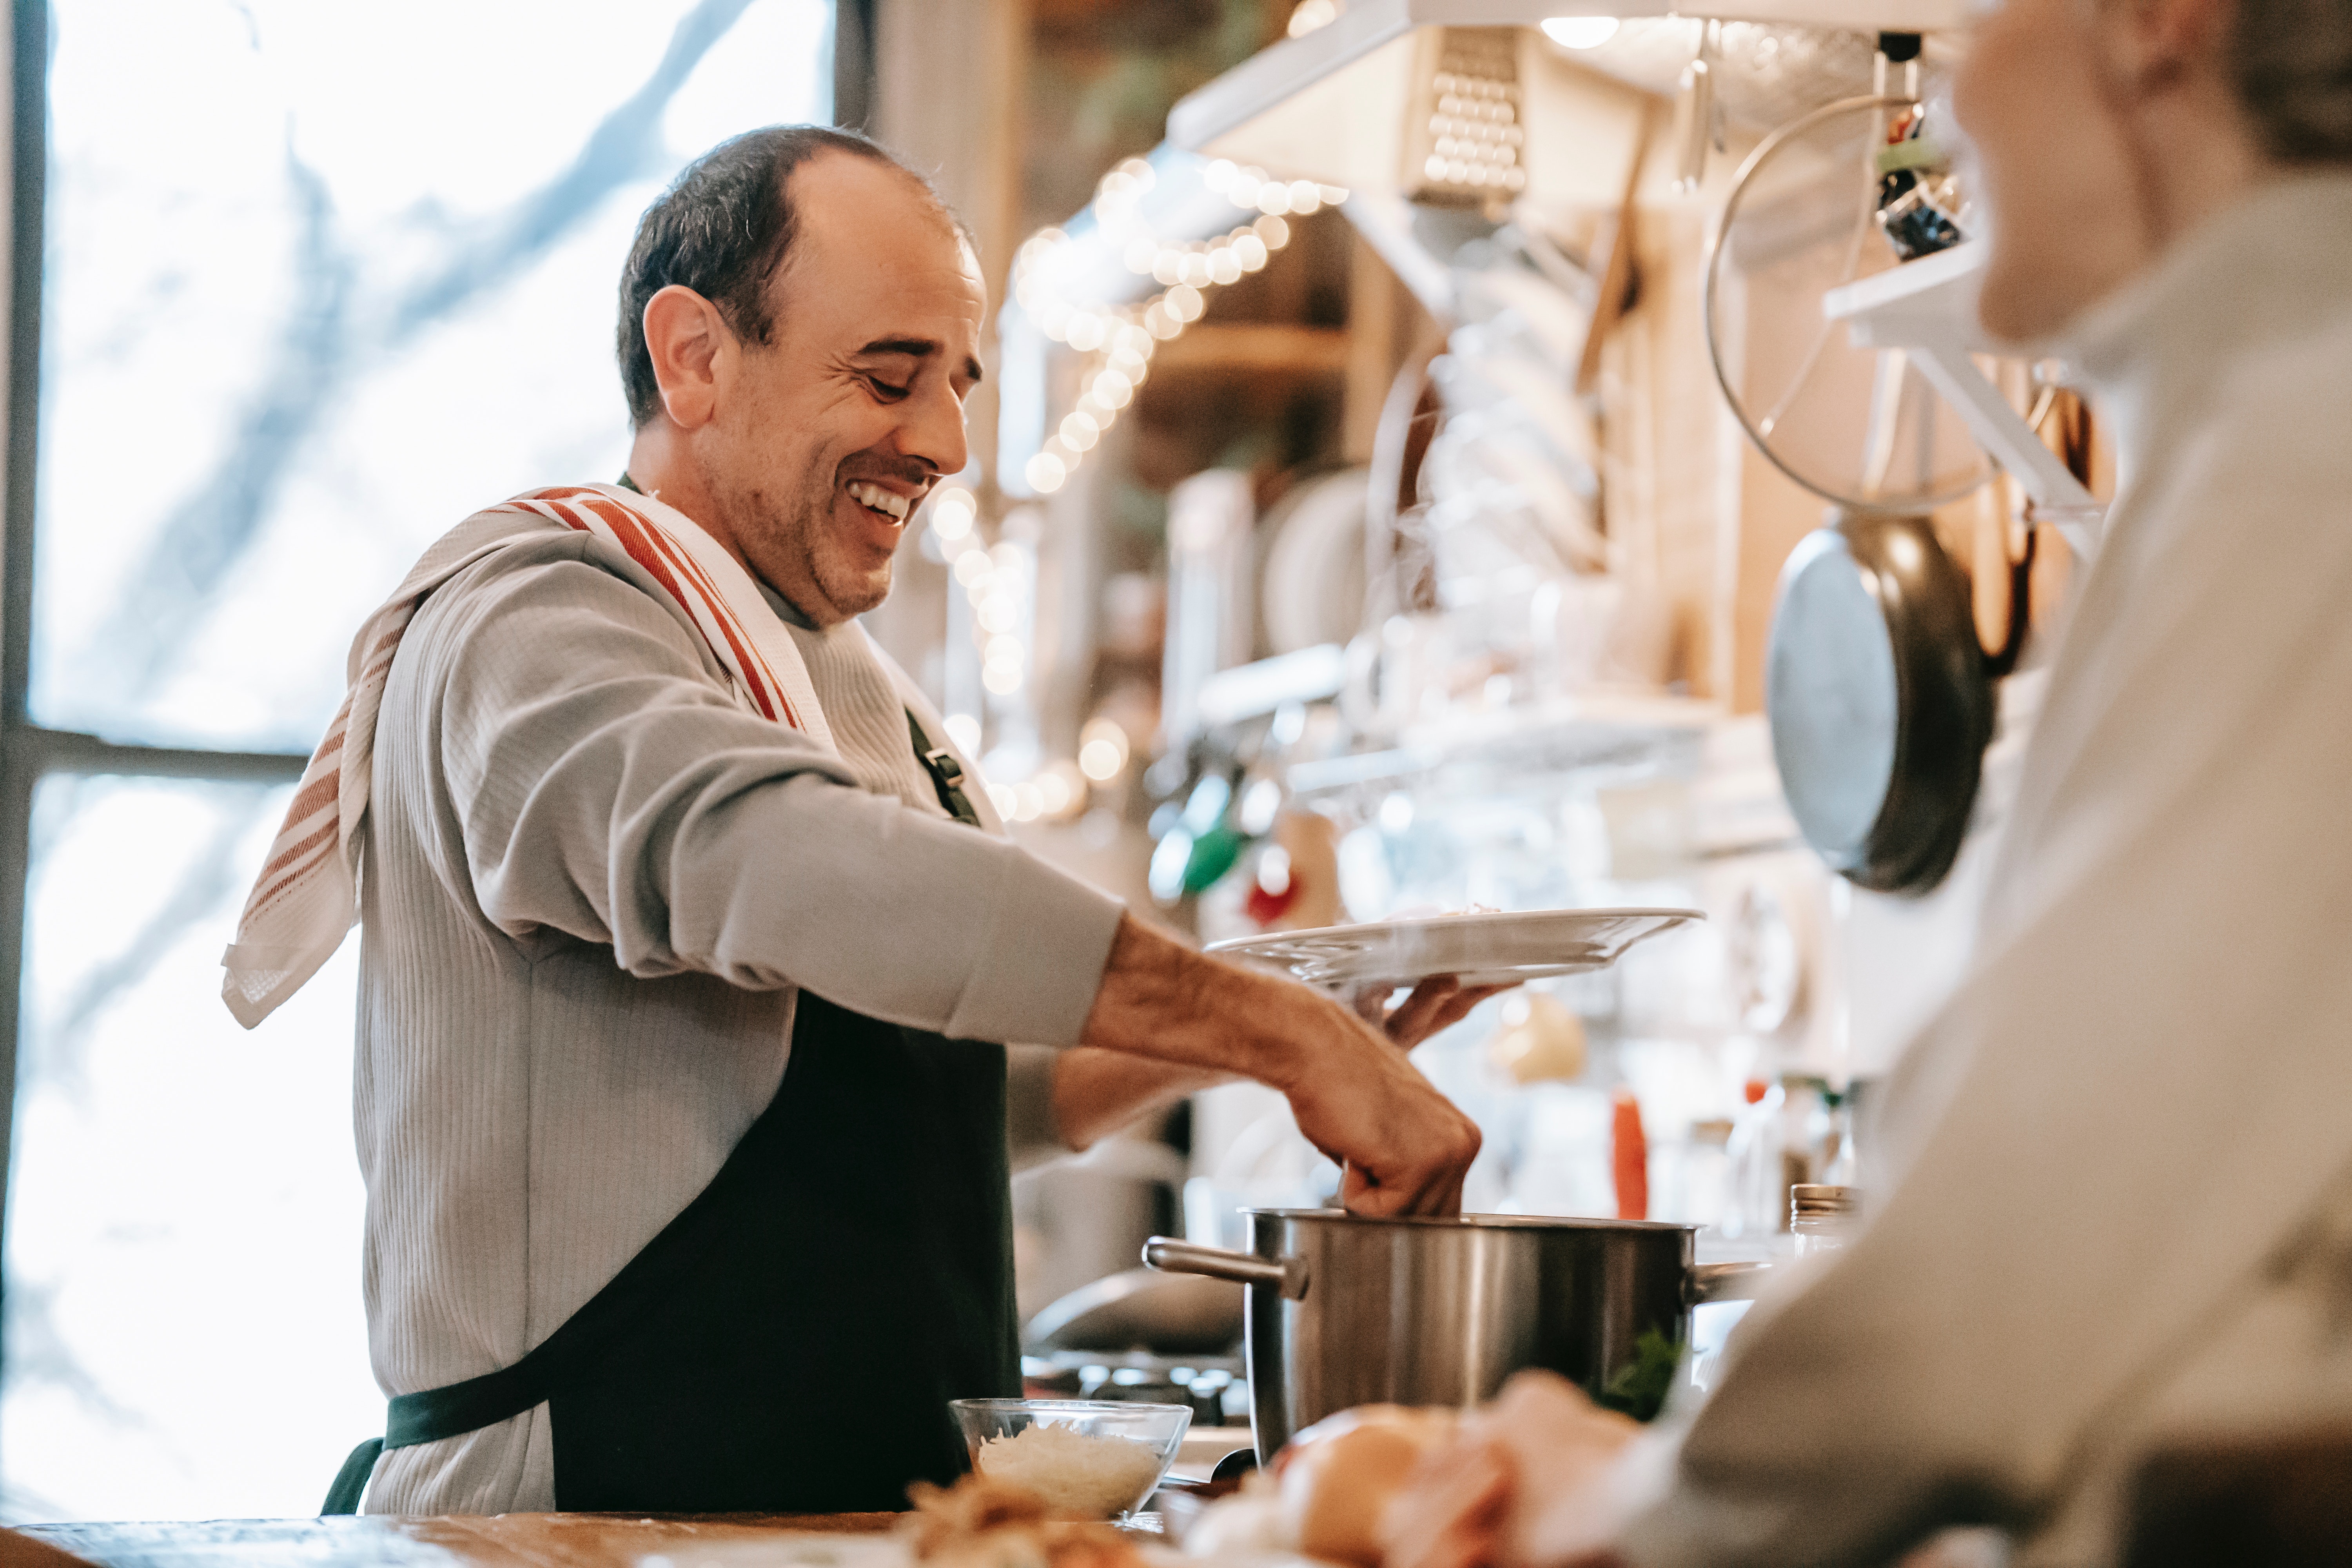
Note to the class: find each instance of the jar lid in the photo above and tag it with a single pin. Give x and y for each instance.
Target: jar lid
(1820, 1201)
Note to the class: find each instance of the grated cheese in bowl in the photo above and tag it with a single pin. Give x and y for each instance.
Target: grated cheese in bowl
(1086, 1458)
(1079, 1476)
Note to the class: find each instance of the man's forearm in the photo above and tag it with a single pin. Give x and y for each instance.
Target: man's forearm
(1161, 1000)
(1097, 1092)
(1402, 1147)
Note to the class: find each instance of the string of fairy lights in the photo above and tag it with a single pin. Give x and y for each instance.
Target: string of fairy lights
(1122, 338)
(1119, 340)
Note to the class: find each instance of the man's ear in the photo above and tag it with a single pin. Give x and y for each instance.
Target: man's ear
(691, 349)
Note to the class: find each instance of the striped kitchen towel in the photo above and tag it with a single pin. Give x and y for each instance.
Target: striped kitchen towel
(307, 898)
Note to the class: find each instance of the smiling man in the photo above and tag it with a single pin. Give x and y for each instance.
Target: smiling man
(798, 441)
(686, 932)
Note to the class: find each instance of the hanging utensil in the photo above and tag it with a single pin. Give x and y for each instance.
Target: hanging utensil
(1879, 689)
(1880, 700)
(1697, 122)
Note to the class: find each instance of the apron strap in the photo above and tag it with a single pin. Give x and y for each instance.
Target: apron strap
(351, 1481)
(947, 774)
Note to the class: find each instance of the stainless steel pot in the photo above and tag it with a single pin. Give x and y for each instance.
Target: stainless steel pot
(1346, 1312)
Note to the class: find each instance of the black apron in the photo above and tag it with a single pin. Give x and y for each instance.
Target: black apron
(789, 1341)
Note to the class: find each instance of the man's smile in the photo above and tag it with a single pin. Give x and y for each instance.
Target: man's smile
(874, 498)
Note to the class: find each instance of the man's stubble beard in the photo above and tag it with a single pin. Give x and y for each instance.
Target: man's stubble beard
(801, 531)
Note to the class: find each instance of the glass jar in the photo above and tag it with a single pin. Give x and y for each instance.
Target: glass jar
(1822, 1218)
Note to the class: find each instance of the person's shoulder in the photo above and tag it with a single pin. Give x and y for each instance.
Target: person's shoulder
(519, 550)
(524, 568)
(2286, 405)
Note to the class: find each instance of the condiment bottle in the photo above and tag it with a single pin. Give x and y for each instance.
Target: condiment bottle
(1822, 1218)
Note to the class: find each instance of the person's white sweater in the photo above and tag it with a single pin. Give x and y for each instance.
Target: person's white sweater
(591, 879)
(2119, 1154)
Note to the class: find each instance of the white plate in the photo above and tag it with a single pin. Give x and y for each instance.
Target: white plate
(1483, 949)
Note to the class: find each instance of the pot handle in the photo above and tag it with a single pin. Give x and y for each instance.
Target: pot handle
(1724, 1281)
(1171, 1255)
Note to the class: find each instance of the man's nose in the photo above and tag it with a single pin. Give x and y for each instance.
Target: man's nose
(934, 428)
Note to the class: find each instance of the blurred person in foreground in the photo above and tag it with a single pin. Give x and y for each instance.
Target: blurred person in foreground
(2115, 1209)
(689, 937)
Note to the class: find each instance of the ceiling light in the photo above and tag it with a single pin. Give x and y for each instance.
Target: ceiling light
(1581, 32)
(1309, 15)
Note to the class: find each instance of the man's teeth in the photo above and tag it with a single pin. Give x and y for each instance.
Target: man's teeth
(880, 500)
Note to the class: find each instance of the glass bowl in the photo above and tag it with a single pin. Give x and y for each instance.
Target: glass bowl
(1088, 1458)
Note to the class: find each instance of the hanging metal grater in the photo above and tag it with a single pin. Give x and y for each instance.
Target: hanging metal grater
(1464, 139)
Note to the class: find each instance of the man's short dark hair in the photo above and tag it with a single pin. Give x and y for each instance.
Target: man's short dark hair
(722, 229)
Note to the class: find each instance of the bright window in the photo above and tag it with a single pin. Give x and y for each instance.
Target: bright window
(320, 280)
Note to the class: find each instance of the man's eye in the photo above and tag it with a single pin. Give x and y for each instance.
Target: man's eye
(884, 391)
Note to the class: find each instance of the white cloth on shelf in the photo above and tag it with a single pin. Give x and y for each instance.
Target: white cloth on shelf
(2116, 1153)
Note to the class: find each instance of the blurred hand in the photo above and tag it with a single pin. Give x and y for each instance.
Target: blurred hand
(1438, 1004)
(1525, 1485)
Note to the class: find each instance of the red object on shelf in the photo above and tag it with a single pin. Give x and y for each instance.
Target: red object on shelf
(1757, 1090)
(1267, 908)
(1273, 890)
(1629, 1157)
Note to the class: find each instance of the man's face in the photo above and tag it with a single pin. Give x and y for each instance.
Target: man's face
(2052, 164)
(833, 431)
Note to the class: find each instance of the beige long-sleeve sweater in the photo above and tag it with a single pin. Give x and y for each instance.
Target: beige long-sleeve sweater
(591, 883)
(2119, 1154)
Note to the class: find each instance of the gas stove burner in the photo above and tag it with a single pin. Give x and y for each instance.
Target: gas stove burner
(1211, 1384)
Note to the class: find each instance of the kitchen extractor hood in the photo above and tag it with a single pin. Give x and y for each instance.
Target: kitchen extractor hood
(1360, 100)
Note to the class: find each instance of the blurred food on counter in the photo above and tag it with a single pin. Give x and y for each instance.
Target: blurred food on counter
(983, 1522)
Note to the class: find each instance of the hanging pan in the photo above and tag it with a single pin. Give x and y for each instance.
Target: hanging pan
(1881, 698)
(1881, 695)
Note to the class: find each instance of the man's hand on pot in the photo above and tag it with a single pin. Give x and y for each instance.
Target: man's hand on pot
(1524, 1484)
(1403, 1146)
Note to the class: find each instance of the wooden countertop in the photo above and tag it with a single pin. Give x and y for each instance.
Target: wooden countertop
(380, 1541)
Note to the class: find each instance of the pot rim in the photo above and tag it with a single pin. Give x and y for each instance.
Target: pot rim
(1477, 1221)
